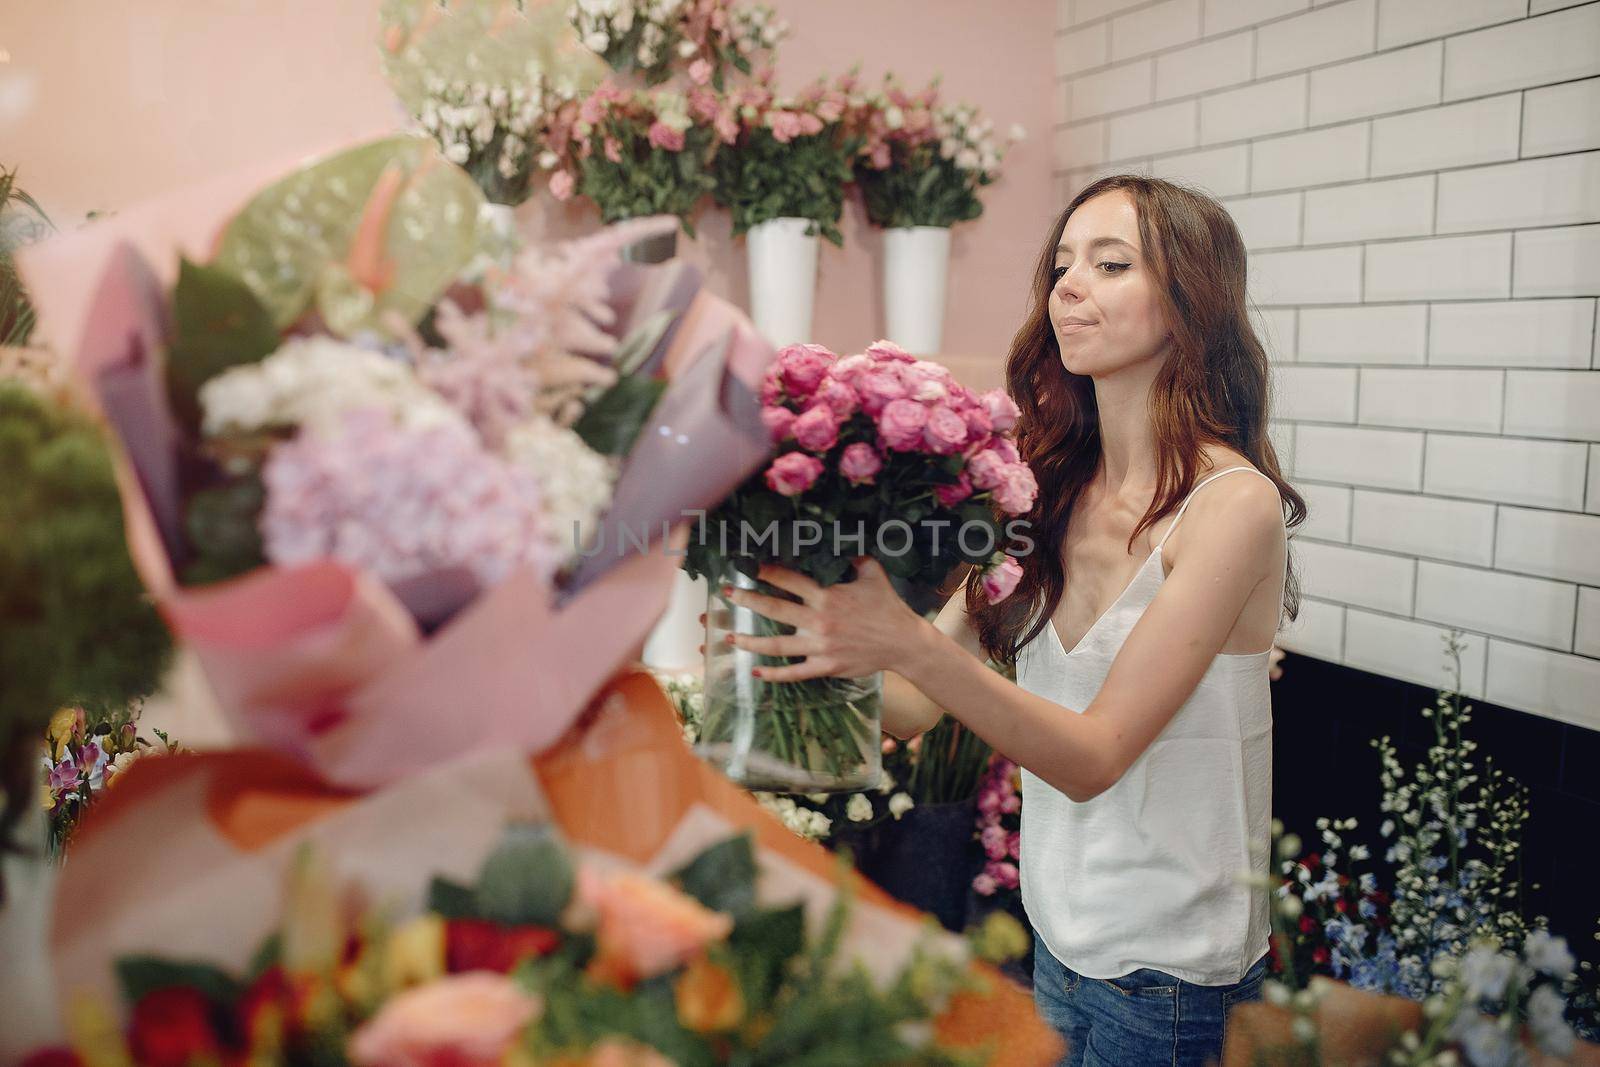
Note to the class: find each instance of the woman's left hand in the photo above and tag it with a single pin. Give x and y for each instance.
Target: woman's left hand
(845, 630)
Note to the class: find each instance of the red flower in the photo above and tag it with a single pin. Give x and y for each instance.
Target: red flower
(1319, 954)
(1307, 924)
(478, 945)
(52, 1057)
(1314, 860)
(1341, 906)
(270, 999)
(171, 1028)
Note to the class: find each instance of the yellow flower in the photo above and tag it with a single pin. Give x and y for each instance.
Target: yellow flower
(415, 953)
(708, 998)
(62, 725)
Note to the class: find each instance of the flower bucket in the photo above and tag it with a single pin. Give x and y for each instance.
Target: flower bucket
(816, 736)
(783, 279)
(927, 858)
(916, 262)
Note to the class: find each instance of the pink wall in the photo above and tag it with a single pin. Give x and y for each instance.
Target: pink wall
(106, 102)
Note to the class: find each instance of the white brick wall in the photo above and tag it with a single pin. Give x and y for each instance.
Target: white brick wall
(1418, 183)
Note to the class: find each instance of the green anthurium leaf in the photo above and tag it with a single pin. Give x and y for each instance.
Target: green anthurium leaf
(452, 900)
(723, 877)
(217, 323)
(420, 213)
(612, 421)
(641, 342)
(527, 880)
(140, 976)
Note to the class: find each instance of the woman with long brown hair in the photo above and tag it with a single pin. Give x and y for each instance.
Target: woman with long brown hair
(1141, 628)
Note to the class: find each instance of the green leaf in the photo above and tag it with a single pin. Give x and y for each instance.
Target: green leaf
(764, 943)
(291, 243)
(452, 900)
(217, 323)
(268, 955)
(140, 976)
(221, 522)
(527, 880)
(641, 342)
(613, 420)
(723, 877)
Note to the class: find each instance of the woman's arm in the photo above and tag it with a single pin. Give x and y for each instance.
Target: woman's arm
(1233, 542)
(907, 710)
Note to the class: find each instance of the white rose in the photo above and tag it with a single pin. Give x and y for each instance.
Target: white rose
(858, 808)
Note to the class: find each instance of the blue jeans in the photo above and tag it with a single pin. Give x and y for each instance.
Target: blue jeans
(1146, 1018)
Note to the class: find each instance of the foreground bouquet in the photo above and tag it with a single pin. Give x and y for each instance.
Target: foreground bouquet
(359, 463)
(880, 454)
(921, 162)
(546, 959)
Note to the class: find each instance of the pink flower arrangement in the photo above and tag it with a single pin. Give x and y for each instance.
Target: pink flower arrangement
(647, 927)
(464, 1020)
(999, 808)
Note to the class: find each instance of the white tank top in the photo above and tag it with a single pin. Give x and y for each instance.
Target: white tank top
(1150, 873)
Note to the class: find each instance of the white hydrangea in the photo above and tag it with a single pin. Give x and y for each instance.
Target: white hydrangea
(312, 382)
(575, 482)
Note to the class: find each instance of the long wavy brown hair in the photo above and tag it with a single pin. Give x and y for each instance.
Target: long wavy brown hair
(1213, 389)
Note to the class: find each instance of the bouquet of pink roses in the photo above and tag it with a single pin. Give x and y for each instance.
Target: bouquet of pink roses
(880, 454)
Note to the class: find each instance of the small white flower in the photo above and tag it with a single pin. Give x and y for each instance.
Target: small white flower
(1549, 955)
(900, 803)
(893, 117)
(1292, 907)
(1305, 1029)
(597, 42)
(548, 160)
(967, 159)
(458, 152)
(858, 808)
(687, 49)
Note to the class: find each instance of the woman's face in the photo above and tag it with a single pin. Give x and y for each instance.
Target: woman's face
(1103, 306)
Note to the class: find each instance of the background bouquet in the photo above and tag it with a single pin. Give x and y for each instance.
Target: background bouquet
(653, 38)
(879, 454)
(920, 162)
(781, 157)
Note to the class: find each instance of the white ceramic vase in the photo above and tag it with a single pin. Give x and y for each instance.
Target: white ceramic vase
(783, 279)
(916, 261)
(674, 645)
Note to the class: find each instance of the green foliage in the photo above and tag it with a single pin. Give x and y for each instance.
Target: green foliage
(527, 880)
(140, 976)
(24, 222)
(217, 323)
(648, 180)
(723, 877)
(920, 188)
(75, 624)
(612, 421)
(761, 179)
(221, 522)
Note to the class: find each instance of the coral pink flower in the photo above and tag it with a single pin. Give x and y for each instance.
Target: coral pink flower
(665, 137)
(901, 424)
(818, 429)
(860, 463)
(561, 185)
(700, 71)
(785, 126)
(793, 473)
(613, 149)
(1000, 581)
(466, 1020)
(647, 925)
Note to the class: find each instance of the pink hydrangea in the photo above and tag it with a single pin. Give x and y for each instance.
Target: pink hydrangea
(817, 429)
(951, 495)
(793, 473)
(860, 463)
(901, 423)
(801, 368)
(945, 432)
(1000, 580)
(779, 422)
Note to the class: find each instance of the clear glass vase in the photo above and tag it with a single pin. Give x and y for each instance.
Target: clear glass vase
(823, 735)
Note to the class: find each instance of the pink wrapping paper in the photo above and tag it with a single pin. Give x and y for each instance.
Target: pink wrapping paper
(324, 663)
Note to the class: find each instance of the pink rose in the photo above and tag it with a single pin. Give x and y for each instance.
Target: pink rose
(851, 368)
(1000, 580)
(1006, 449)
(818, 429)
(984, 885)
(700, 71)
(951, 495)
(779, 422)
(727, 127)
(809, 125)
(663, 136)
(1004, 873)
(793, 473)
(978, 424)
(860, 463)
(1017, 489)
(879, 156)
(771, 388)
(878, 388)
(561, 185)
(924, 386)
(840, 398)
(888, 350)
(648, 927)
(901, 424)
(1003, 411)
(986, 468)
(785, 126)
(945, 432)
(464, 1020)
(802, 368)
(613, 150)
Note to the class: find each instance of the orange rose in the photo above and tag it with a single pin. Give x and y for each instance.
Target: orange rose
(647, 927)
(708, 998)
